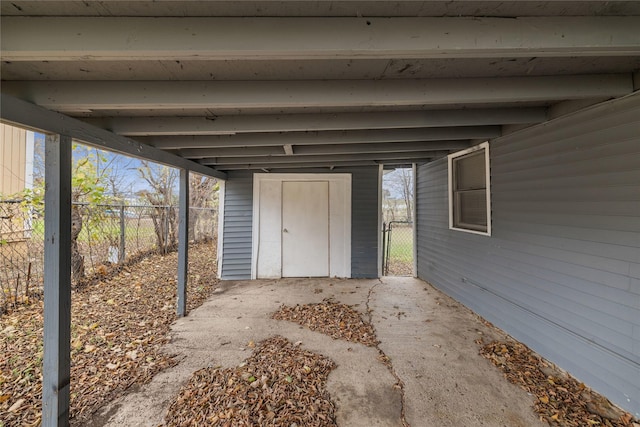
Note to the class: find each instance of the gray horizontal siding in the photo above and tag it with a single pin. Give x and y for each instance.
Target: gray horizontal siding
(560, 271)
(364, 223)
(236, 255)
(238, 216)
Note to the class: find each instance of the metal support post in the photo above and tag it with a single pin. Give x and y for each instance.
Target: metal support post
(57, 282)
(384, 253)
(122, 236)
(183, 242)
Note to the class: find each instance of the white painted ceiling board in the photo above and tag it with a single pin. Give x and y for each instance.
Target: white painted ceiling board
(320, 8)
(105, 61)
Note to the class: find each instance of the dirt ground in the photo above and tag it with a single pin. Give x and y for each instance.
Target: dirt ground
(433, 375)
(120, 322)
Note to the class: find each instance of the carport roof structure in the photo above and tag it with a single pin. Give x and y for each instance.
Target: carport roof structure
(268, 85)
(218, 86)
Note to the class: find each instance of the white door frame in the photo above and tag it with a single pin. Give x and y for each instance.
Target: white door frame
(221, 192)
(343, 180)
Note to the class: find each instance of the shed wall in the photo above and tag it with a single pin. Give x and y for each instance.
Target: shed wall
(236, 230)
(238, 214)
(561, 271)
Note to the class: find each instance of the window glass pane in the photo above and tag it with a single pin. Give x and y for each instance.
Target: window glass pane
(472, 210)
(469, 190)
(470, 171)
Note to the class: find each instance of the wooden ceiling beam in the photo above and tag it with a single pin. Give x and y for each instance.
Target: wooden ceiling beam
(260, 123)
(230, 38)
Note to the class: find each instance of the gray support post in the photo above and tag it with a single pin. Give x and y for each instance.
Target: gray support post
(122, 236)
(183, 242)
(57, 282)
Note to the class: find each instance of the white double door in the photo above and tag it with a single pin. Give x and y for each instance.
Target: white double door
(303, 227)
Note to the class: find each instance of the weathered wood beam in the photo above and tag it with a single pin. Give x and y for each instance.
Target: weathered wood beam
(22, 113)
(199, 153)
(331, 165)
(320, 138)
(209, 38)
(389, 147)
(57, 282)
(258, 123)
(82, 96)
(324, 158)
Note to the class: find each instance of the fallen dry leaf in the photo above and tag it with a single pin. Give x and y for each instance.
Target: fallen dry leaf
(561, 399)
(16, 405)
(127, 334)
(339, 321)
(280, 385)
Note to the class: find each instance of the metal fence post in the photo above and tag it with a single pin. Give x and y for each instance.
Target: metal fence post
(389, 231)
(122, 236)
(166, 228)
(384, 253)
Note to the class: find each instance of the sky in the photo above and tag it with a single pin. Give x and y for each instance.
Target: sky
(392, 182)
(125, 167)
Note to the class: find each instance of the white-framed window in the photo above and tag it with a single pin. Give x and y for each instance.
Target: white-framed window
(469, 190)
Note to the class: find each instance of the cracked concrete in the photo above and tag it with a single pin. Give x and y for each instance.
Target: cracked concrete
(428, 337)
(399, 383)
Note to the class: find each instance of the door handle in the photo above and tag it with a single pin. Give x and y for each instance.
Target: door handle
(285, 231)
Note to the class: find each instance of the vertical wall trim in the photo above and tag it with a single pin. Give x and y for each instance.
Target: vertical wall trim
(255, 226)
(415, 222)
(380, 177)
(221, 190)
(29, 159)
(183, 242)
(57, 282)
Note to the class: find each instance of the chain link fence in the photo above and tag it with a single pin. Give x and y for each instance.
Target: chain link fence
(397, 248)
(106, 236)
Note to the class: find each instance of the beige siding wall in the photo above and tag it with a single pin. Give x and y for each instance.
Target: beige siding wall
(13, 149)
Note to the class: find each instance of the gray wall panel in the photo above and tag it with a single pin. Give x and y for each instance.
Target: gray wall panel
(238, 215)
(560, 271)
(236, 260)
(364, 223)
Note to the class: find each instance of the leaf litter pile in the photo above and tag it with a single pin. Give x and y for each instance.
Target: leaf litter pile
(279, 385)
(119, 324)
(560, 399)
(399, 267)
(339, 321)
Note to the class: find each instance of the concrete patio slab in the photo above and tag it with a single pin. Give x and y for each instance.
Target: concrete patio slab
(428, 336)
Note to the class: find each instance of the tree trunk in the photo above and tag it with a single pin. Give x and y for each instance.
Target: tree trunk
(77, 260)
(408, 193)
(158, 217)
